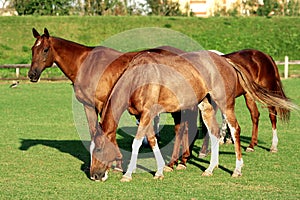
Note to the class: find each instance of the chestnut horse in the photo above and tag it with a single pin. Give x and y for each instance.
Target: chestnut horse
(93, 72)
(264, 72)
(171, 83)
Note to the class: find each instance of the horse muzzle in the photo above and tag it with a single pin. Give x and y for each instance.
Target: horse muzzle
(34, 76)
(99, 176)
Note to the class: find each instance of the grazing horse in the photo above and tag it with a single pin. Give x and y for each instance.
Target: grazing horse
(93, 72)
(264, 72)
(171, 83)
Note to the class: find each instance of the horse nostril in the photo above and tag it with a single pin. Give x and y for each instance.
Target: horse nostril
(31, 74)
(95, 177)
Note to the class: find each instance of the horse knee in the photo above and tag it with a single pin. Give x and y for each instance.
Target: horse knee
(255, 117)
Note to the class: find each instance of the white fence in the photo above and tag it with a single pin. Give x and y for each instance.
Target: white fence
(286, 64)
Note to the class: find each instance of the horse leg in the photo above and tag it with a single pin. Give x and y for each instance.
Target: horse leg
(185, 134)
(136, 144)
(185, 147)
(179, 126)
(209, 119)
(176, 149)
(223, 130)
(190, 133)
(204, 149)
(252, 107)
(156, 127)
(145, 129)
(156, 151)
(235, 134)
(272, 116)
(159, 161)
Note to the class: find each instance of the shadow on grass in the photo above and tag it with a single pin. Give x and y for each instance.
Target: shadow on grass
(246, 139)
(73, 147)
(77, 148)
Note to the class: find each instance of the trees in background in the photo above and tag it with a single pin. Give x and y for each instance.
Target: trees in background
(164, 7)
(281, 7)
(145, 7)
(42, 7)
(72, 7)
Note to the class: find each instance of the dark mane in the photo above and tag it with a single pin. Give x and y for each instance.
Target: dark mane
(71, 44)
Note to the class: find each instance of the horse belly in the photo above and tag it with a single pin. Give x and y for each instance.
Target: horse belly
(180, 99)
(159, 98)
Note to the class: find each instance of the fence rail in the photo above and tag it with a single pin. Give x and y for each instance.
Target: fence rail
(19, 66)
(286, 64)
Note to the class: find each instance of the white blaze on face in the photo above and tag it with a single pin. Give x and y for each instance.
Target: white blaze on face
(38, 43)
(92, 146)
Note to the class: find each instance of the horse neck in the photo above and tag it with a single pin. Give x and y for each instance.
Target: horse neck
(69, 56)
(110, 120)
(111, 115)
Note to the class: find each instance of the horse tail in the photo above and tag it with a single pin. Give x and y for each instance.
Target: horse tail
(268, 98)
(284, 113)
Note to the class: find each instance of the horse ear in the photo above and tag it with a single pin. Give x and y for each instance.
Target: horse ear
(46, 33)
(35, 33)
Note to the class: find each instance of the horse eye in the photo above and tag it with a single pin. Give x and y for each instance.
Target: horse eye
(98, 150)
(46, 50)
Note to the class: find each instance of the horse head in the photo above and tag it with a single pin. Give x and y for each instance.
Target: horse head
(103, 153)
(42, 56)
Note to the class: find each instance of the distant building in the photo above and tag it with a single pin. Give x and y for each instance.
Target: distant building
(8, 12)
(206, 8)
(5, 10)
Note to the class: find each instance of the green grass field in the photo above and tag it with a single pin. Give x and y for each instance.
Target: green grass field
(42, 156)
(277, 36)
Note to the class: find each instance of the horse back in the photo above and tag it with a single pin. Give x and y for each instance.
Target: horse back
(174, 82)
(259, 65)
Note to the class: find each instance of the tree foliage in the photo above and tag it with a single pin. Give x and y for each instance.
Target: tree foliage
(105, 7)
(42, 7)
(164, 8)
(275, 7)
(149, 7)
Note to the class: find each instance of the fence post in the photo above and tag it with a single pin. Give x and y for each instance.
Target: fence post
(286, 67)
(17, 72)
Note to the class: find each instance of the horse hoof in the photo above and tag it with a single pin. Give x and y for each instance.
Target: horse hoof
(202, 155)
(181, 167)
(117, 169)
(273, 150)
(126, 179)
(168, 169)
(228, 141)
(236, 174)
(206, 173)
(158, 177)
(249, 149)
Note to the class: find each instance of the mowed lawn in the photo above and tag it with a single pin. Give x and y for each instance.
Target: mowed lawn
(42, 156)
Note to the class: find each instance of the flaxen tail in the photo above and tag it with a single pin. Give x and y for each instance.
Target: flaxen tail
(268, 98)
(283, 113)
